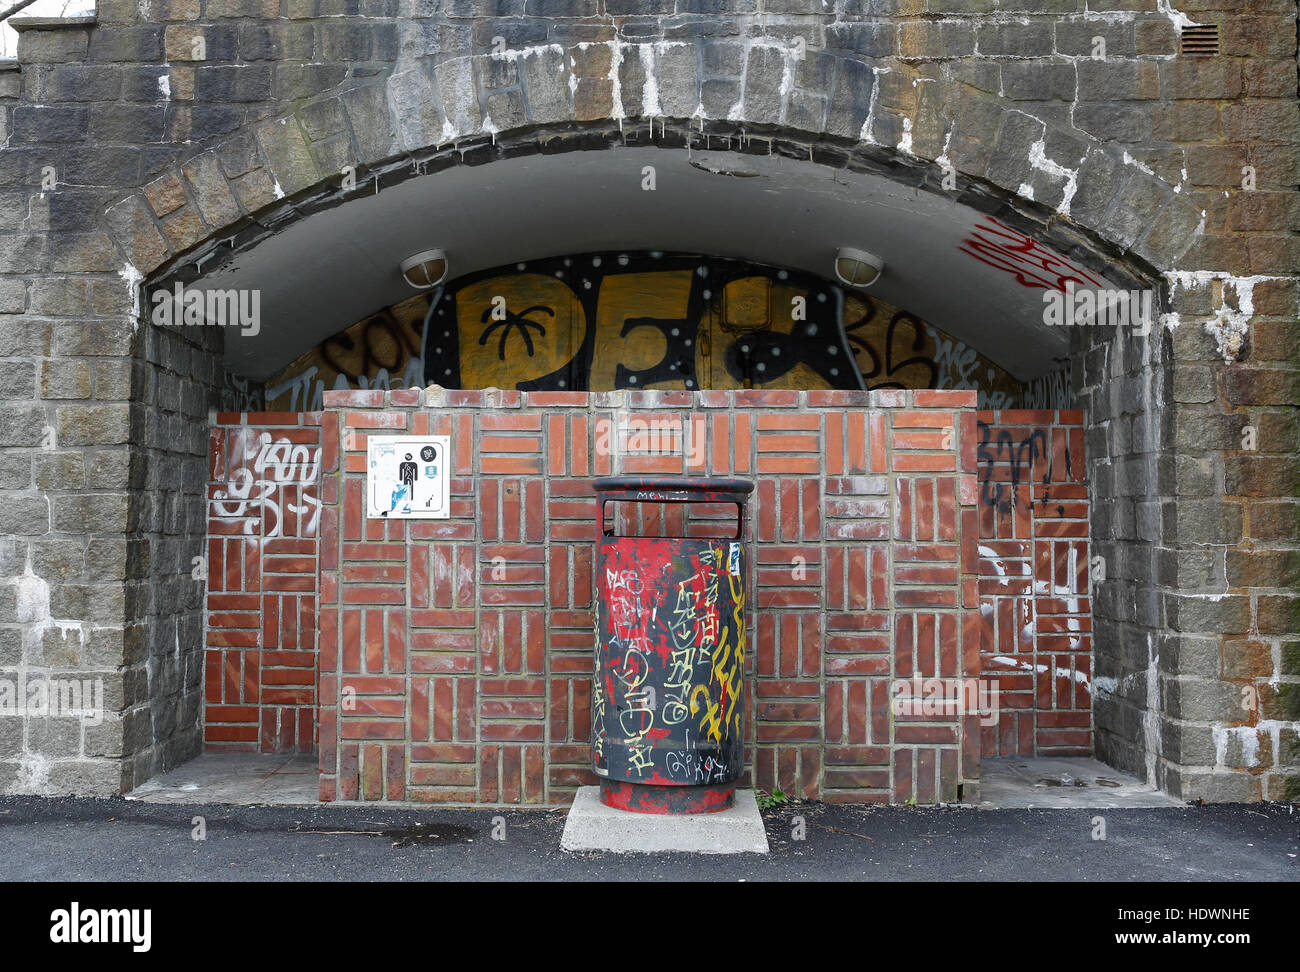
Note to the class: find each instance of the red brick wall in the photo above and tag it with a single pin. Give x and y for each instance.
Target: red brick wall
(456, 654)
(263, 527)
(498, 606)
(1033, 512)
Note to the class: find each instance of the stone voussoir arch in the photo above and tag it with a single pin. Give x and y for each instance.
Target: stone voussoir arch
(1083, 195)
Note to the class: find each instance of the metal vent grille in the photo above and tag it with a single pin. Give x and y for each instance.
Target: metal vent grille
(1200, 40)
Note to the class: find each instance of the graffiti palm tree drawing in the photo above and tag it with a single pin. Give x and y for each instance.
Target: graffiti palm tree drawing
(513, 320)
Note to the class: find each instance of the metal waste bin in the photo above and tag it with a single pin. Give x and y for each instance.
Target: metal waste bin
(668, 692)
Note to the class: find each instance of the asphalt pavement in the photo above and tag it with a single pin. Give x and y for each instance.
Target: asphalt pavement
(82, 839)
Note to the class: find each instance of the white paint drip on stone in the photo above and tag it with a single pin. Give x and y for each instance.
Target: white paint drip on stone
(616, 85)
(32, 599)
(737, 111)
(1111, 17)
(1038, 160)
(1229, 325)
(650, 93)
(942, 160)
(165, 84)
(1176, 17)
(1105, 686)
(33, 775)
(1152, 399)
(1129, 160)
(905, 140)
(787, 80)
(133, 278)
(83, 631)
(865, 135)
(1151, 714)
(32, 607)
(1247, 737)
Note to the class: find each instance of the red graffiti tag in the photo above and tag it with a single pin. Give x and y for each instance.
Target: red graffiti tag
(1031, 263)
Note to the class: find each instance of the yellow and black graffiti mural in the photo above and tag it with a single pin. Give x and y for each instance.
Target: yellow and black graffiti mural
(604, 321)
(382, 351)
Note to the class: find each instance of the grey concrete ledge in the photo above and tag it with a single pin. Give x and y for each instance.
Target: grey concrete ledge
(51, 23)
(592, 826)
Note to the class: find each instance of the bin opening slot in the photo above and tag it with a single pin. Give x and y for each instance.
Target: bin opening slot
(705, 523)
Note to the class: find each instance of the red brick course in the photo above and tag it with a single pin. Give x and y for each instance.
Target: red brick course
(465, 674)
(1034, 591)
(264, 506)
(455, 655)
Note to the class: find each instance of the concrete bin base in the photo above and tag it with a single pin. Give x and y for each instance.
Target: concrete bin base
(592, 826)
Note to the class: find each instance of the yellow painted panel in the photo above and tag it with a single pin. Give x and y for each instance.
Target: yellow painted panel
(663, 295)
(516, 328)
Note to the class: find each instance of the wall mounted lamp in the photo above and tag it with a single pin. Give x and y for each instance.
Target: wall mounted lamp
(425, 270)
(857, 268)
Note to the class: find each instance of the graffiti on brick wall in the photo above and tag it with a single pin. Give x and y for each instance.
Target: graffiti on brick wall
(605, 321)
(381, 351)
(270, 481)
(1035, 599)
(668, 685)
(1016, 454)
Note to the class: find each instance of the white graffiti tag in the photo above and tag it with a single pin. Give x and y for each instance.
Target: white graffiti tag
(256, 489)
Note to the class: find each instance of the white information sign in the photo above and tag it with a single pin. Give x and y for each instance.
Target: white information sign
(406, 476)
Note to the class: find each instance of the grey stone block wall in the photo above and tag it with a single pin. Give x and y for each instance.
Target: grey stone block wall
(177, 378)
(132, 147)
(1195, 487)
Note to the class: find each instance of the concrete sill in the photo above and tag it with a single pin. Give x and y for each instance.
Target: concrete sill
(51, 23)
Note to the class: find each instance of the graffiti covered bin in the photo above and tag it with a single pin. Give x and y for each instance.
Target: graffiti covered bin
(667, 694)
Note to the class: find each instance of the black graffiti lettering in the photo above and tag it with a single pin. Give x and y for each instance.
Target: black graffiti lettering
(1020, 458)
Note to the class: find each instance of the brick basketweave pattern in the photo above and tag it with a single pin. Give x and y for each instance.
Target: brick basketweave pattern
(473, 684)
(455, 655)
(1034, 583)
(263, 521)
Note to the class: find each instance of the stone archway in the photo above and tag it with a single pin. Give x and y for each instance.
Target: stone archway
(870, 98)
(731, 139)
